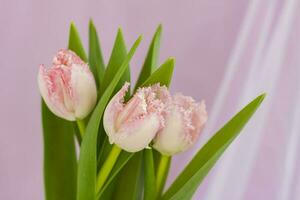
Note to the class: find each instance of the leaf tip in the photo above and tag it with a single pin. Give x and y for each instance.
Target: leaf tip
(261, 97)
(72, 26)
(138, 40)
(120, 31)
(91, 23)
(171, 60)
(73, 30)
(159, 28)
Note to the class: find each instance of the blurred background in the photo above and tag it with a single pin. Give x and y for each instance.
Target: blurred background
(227, 52)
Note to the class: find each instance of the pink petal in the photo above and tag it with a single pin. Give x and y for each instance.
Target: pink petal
(67, 57)
(84, 90)
(52, 94)
(112, 110)
(137, 135)
(184, 120)
(133, 125)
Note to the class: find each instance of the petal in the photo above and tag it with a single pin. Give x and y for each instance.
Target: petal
(137, 135)
(171, 139)
(84, 91)
(184, 119)
(67, 57)
(47, 90)
(193, 114)
(162, 93)
(133, 126)
(134, 109)
(112, 110)
(199, 118)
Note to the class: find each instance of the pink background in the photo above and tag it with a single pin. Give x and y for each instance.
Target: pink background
(199, 34)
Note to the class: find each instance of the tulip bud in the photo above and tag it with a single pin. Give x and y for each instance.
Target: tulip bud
(133, 125)
(184, 119)
(68, 87)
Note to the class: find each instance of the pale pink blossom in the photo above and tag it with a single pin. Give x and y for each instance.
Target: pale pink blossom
(133, 125)
(68, 87)
(184, 119)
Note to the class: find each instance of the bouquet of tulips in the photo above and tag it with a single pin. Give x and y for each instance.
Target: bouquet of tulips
(126, 137)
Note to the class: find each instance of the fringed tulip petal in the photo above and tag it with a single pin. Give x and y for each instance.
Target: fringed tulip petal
(68, 87)
(184, 119)
(133, 125)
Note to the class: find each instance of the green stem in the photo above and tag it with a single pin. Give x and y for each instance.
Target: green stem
(162, 173)
(81, 127)
(107, 167)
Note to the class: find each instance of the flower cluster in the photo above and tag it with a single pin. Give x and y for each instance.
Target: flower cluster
(149, 122)
(173, 123)
(170, 124)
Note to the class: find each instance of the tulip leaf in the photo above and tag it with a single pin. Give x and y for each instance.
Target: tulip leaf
(109, 191)
(149, 182)
(76, 46)
(75, 43)
(123, 159)
(129, 184)
(151, 59)
(190, 178)
(95, 55)
(162, 75)
(60, 164)
(97, 65)
(117, 57)
(131, 172)
(104, 151)
(87, 167)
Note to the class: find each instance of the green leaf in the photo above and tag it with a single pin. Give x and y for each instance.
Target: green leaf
(162, 75)
(151, 59)
(76, 46)
(190, 178)
(124, 157)
(75, 43)
(60, 164)
(87, 169)
(109, 192)
(128, 184)
(97, 67)
(117, 57)
(95, 55)
(149, 180)
(76, 132)
(104, 151)
(130, 175)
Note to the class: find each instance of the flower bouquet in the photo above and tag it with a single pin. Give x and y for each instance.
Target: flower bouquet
(126, 137)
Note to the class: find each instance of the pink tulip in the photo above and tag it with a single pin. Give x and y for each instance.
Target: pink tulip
(184, 119)
(68, 87)
(133, 125)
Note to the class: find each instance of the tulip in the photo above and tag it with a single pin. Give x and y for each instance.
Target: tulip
(133, 125)
(184, 119)
(68, 87)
